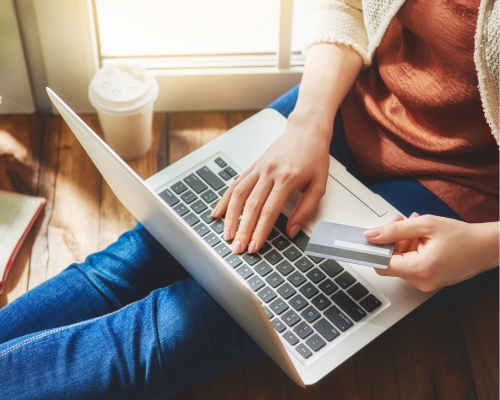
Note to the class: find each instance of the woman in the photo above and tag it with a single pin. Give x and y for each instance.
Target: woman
(415, 126)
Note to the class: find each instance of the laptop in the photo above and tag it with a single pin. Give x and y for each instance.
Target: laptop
(309, 314)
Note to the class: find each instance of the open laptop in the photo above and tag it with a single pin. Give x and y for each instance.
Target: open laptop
(308, 314)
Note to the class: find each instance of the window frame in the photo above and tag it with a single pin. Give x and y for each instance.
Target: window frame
(187, 83)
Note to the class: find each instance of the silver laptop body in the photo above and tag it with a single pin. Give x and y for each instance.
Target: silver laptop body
(346, 201)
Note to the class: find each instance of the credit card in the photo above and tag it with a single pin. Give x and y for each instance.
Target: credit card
(347, 243)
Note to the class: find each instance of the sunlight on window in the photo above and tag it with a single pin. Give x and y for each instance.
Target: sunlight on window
(168, 27)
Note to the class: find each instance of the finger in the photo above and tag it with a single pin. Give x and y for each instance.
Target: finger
(222, 204)
(399, 230)
(270, 211)
(400, 265)
(251, 212)
(236, 202)
(304, 209)
(403, 245)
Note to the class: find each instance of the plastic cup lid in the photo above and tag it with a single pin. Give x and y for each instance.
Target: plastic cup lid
(122, 89)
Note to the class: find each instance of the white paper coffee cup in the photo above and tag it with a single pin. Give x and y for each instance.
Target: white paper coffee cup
(124, 95)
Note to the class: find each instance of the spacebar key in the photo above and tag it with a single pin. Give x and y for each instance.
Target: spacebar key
(209, 177)
(350, 307)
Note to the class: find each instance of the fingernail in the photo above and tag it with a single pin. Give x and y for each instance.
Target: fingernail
(236, 247)
(372, 233)
(214, 211)
(227, 233)
(295, 229)
(252, 246)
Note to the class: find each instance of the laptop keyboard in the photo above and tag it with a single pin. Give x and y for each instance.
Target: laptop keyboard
(310, 301)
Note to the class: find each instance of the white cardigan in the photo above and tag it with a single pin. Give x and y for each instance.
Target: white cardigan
(361, 24)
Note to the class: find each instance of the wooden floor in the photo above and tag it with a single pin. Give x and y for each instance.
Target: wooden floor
(452, 354)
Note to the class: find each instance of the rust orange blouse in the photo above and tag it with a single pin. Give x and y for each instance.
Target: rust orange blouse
(417, 111)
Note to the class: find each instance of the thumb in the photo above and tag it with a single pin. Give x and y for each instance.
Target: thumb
(304, 209)
(398, 230)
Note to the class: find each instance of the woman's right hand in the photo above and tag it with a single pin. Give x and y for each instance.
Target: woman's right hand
(299, 159)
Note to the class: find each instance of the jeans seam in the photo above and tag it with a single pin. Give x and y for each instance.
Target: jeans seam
(56, 330)
(158, 342)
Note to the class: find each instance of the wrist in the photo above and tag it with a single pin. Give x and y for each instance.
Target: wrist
(486, 237)
(312, 123)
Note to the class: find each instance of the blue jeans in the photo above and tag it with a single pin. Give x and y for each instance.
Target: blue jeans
(129, 322)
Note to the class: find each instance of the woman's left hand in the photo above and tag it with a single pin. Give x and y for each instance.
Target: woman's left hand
(432, 252)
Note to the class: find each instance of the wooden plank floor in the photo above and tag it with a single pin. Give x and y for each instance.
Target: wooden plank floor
(450, 354)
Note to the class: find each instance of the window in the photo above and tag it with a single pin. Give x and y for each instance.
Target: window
(206, 55)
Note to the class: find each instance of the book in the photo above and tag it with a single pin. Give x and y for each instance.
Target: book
(18, 213)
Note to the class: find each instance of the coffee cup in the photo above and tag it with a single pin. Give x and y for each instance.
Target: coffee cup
(124, 95)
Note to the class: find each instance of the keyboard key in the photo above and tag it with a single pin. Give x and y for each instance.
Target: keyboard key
(198, 206)
(303, 330)
(262, 268)
(315, 342)
(301, 240)
(303, 351)
(256, 283)
(357, 291)
(265, 248)
(316, 275)
(345, 280)
(251, 258)
(298, 302)
(224, 175)
(291, 338)
(370, 303)
(214, 204)
(195, 183)
(189, 197)
(328, 287)
(338, 318)
(304, 264)
(281, 223)
(220, 162)
(291, 318)
(348, 306)
(212, 239)
(266, 295)
(326, 329)
(278, 325)
(331, 267)
(285, 268)
(245, 271)
(281, 243)
(181, 209)
(273, 234)
(268, 312)
(317, 260)
(297, 279)
(308, 290)
(206, 217)
(286, 291)
(209, 177)
(209, 196)
(321, 302)
(233, 260)
(273, 257)
(310, 314)
(178, 187)
(168, 197)
(223, 190)
(292, 253)
(201, 229)
(223, 250)
(231, 172)
(218, 226)
(191, 219)
(275, 279)
(278, 306)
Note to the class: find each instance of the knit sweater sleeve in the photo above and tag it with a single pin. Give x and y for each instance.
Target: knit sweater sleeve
(340, 22)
